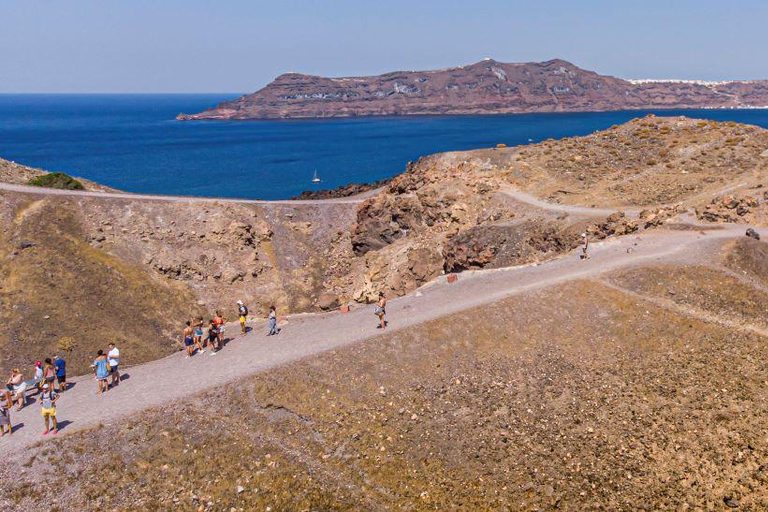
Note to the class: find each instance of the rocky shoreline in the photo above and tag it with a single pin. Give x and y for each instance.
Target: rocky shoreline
(352, 189)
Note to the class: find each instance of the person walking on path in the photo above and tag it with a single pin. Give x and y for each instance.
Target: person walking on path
(584, 246)
(5, 414)
(48, 399)
(101, 369)
(381, 311)
(242, 312)
(49, 372)
(220, 328)
(39, 374)
(213, 337)
(189, 345)
(61, 372)
(17, 386)
(273, 330)
(113, 358)
(198, 334)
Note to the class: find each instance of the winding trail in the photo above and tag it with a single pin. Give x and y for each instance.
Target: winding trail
(585, 211)
(170, 379)
(26, 189)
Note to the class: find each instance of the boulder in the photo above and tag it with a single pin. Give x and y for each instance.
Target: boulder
(751, 233)
(327, 301)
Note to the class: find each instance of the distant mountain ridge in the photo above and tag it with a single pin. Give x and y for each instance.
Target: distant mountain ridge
(486, 87)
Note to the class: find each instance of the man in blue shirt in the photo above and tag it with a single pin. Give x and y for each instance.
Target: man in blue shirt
(61, 372)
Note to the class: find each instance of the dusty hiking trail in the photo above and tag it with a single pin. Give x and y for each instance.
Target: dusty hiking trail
(26, 189)
(585, 211)
(166, 380)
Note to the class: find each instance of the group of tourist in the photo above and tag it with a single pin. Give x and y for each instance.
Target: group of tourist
(198, 337)
(106, 365)
(48, 373)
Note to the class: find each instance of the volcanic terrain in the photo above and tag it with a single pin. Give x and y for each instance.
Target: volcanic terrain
(536, 380)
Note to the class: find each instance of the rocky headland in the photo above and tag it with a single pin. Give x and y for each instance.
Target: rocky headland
(486, 87)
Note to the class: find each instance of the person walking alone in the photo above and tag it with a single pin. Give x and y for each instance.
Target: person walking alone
(273, 330)
(242, 312)
(584, 246)
(381, 311)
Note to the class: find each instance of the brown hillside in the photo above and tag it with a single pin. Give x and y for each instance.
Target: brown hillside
(593, 395)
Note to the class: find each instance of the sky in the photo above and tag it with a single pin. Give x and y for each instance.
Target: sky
(186, 46)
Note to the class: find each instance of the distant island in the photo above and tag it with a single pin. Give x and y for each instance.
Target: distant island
(486, 87)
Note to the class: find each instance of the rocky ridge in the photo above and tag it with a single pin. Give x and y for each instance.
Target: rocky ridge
(486, 87)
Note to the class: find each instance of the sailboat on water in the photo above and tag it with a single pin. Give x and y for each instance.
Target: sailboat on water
(316, 179)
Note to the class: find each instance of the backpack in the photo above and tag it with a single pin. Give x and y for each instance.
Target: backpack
(243, 311)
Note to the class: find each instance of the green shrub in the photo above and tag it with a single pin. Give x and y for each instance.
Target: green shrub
(56, 180)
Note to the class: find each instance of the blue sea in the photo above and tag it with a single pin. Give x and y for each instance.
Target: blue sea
(133, 143)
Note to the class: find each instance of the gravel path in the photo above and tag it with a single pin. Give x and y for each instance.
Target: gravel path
(175, 377)
(26, 189)
(522, 197)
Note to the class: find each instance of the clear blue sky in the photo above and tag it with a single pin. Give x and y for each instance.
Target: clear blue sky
(239, 45)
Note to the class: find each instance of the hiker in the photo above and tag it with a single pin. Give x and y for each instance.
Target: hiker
(273, 330)
(48, 400)
(49, 372)
(101, 370)
(220, 321)
(584, 246)
(16, 386)
(5, 414)
(61, 372)
(188, 338)
(242, 312)
(213, 337)
(381, 311)
(113, 358)
(198, 335)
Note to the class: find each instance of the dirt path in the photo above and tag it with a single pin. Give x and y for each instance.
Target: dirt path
(585, 211)
(26, 189)
(175, 377)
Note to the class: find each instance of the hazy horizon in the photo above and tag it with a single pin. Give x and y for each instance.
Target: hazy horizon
(174, 46)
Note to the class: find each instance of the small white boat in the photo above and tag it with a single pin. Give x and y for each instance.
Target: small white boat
(316, 179)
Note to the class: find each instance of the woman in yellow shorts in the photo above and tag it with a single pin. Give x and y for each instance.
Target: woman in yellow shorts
(48, 399)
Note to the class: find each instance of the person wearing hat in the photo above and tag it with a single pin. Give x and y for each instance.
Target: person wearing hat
(48, 399)
(584, 246)
(242, 312)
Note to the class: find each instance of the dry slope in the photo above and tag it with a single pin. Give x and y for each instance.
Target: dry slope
(593, 395)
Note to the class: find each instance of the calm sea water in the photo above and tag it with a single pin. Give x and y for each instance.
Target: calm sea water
(132, 142)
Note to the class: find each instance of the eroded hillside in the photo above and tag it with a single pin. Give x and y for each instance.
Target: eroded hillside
(642, 389)
(169, 259)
